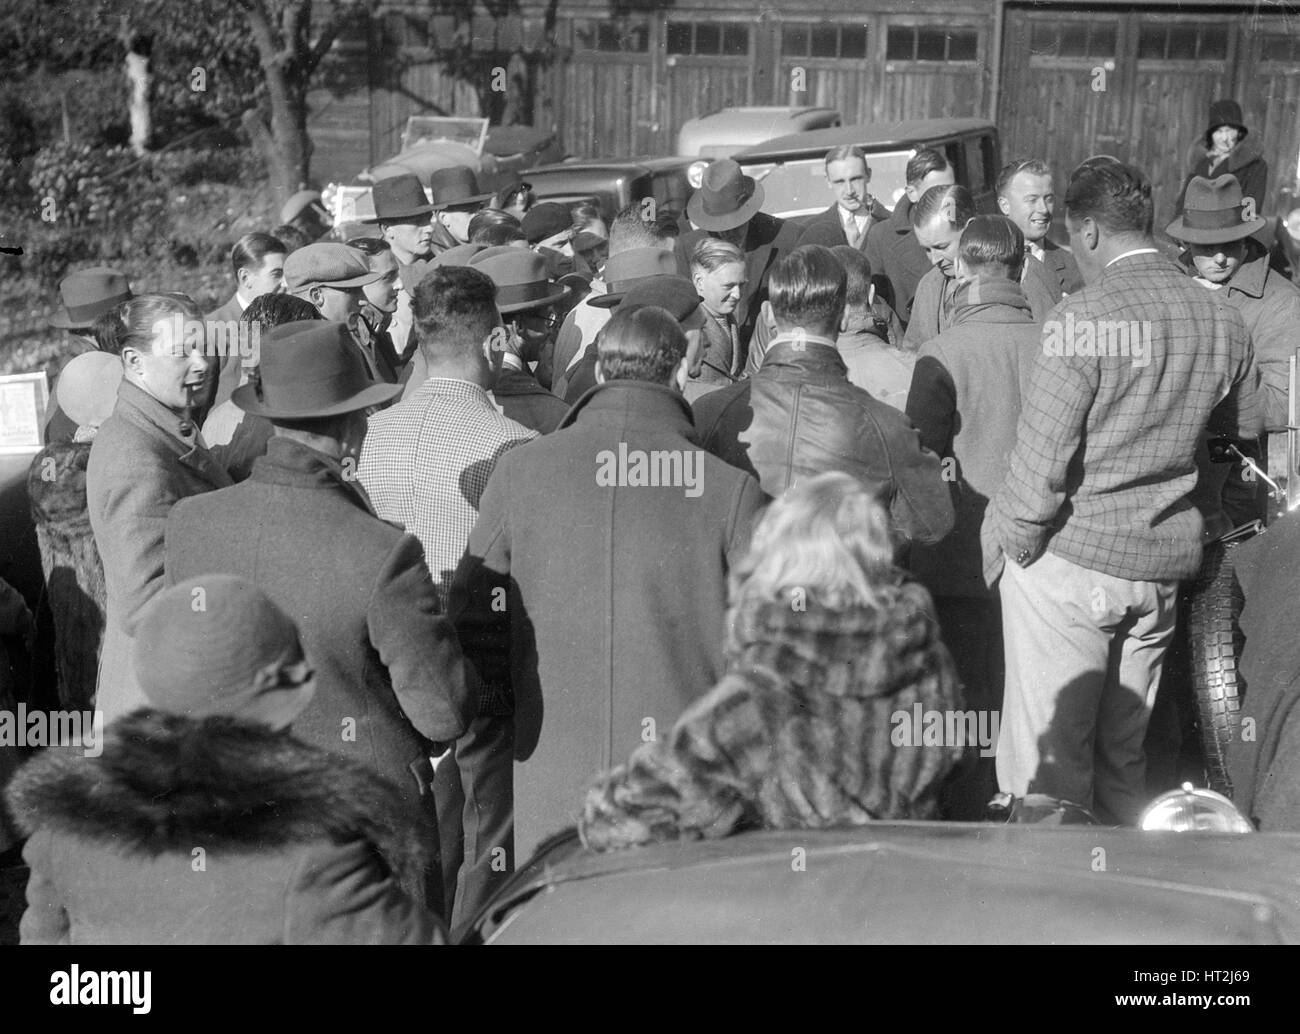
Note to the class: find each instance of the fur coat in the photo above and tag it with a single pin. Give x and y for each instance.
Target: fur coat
(798, 734)
(215, 831)
(74, 573)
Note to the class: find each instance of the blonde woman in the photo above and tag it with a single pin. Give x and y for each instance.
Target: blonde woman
(828, 641)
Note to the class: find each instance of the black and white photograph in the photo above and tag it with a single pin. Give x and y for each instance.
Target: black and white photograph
(650, 472)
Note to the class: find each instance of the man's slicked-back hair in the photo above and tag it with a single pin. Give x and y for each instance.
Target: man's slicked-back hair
(857, 274)
(641, 344)
(807, 289)
(993, 245)
(633, 227)
(1116, 196)
(252, 248)
(454, 309)
(1033, 166)
(709, 254)
(843, 153)
(924, 162)
(271, 310)
(953, 200)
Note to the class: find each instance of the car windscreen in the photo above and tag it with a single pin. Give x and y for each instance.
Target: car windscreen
(798, 186)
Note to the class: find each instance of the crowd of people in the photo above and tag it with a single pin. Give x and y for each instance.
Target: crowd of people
(515, 519)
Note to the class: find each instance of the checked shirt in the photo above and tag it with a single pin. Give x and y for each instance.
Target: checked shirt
(426, 461)
(1105, 448)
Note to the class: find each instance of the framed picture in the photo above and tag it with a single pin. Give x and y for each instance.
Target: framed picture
(24, 398)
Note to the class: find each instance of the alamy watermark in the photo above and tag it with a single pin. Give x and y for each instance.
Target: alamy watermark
(1129, 339)
(927, 728)
(656, 468)
(39, 728)
(215, 338)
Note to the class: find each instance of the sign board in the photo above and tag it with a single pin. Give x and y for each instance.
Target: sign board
(24, 398)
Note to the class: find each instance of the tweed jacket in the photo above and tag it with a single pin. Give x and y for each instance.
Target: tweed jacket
(799, 734)
(140, 466)
(296, 846)
(1106, 444)
(599, 616)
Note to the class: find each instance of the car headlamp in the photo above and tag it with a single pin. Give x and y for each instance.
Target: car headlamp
(1191, 810)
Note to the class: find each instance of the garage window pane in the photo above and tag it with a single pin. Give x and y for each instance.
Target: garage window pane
(853, 41)
(825, 41)
(1277, 48)
(1043, 39)
(1151, 42)
(1182, 43)
(794, 41)
(1214, 42)
(679, 37)
(900, 43)
(963, 45)
(1074, 39)
(931, 44)
(1101, 42)
(708, 39)
(735, 40)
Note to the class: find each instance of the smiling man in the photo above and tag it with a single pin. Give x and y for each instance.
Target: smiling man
(1026, 197)
(855, 211)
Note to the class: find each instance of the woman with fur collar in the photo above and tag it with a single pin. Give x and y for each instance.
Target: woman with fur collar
(199, 819)
(827, 641)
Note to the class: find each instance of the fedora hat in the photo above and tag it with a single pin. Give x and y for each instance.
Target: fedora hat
(86, 389)
(1212, 213)
(674, 293)
(87, 295)
(628, 268)
(454, 187)
(237, 655)
(399, 197)
(727, 198)
(311, 369)
(520, 276)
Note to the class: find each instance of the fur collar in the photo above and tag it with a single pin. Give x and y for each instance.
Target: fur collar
(165, 783)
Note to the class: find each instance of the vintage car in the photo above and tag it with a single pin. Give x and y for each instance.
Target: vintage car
(792, 170)
(721, 133)
(912, 883)
(614, 184)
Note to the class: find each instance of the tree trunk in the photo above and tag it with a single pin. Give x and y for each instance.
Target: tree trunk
(137, 74)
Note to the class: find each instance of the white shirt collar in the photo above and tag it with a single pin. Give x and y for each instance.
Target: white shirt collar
(1135, 251)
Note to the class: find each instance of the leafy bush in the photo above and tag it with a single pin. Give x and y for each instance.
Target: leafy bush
(71, 183)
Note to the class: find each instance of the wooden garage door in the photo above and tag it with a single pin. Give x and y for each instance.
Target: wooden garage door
(708, 66)
(608, 89)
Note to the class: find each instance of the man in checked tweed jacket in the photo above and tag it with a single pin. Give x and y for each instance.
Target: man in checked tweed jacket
(425, 464)
(1093, 520)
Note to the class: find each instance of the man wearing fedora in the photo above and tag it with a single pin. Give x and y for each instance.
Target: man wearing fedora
(1224, 255)
(1226, 149)
(642, 247)
(611, 598)
(391, 689)
(85, 296)
(526, 299)
(403, 213)
(456, 200)
(727, 206)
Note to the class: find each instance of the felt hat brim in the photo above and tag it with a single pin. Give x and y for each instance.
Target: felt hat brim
(727, 220)
(550, 299)
(245, 397)
(1180, 231)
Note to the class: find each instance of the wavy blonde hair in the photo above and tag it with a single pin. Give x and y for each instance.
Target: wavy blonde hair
(827, 537)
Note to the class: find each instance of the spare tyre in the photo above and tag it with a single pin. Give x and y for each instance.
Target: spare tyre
(1215, 641)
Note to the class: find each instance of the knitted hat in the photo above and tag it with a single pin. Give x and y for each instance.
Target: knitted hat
(216, 645)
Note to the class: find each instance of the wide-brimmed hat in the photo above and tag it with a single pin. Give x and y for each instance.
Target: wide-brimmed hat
(457, 256)
(455, 187)
(86, 389)
(397, 198)
(217, 645)
(1212, 213)
(727, 198)
(311, 369)
(87, 295)
(629, 268)
(520, 276)
(327, 265)
(1225, 113)
(674, 293)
